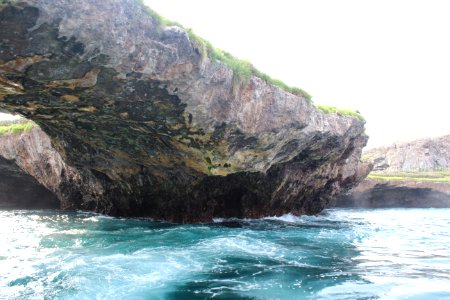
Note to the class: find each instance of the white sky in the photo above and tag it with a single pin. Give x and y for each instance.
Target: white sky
(390, 59)
(4, 116)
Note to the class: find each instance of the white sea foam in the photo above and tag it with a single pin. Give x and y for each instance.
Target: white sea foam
(288, 218)
(341, 254)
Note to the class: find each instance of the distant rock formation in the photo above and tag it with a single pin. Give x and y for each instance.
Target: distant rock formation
(33, 173)
(431, 154)
(20, 190)
(416, 167)
(146, 123)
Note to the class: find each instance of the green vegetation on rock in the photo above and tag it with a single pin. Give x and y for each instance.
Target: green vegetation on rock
(345, 112)
(160, 20)
(16, 126)
(242, 69)
(434, 176)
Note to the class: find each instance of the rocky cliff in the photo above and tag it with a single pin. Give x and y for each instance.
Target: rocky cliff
(413, 174)
(430, 154)
(20, 190)
(33, 173)
(147, 123)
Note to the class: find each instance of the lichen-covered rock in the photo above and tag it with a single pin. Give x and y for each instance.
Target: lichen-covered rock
(150, 126)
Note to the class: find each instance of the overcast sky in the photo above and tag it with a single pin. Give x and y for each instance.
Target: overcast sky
(389, 59)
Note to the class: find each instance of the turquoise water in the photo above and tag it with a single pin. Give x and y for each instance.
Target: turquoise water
(341, 254)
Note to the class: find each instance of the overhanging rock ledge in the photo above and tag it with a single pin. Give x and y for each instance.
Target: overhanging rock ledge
(153, 127)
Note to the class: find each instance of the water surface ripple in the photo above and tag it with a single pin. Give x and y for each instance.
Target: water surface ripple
(340, 254)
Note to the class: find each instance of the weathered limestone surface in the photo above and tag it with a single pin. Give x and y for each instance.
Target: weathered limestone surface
(145, 124)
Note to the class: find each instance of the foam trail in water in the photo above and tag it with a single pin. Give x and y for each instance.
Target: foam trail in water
(340, 254)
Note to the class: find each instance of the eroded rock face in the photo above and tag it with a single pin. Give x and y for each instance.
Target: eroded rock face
(149, 126)
(30, 158)
(430, 154)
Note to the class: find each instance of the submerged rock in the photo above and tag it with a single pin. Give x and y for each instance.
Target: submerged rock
(145, 123)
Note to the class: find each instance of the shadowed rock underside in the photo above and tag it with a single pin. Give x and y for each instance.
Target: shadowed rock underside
(371, 193)
(20, 190)
(143, 123)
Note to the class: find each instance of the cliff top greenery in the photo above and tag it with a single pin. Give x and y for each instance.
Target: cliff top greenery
(345, 112)
(433, 176)
(16, 126)
(243, 69)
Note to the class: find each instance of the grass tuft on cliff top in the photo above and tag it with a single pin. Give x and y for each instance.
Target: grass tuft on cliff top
(242, 69)
(430, 176)
(345, 112)
(16, 126)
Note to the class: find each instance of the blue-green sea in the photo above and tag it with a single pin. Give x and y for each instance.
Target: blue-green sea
(340, 254)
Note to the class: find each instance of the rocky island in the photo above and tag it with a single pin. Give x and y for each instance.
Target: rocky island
(140, 118)
(408, 174)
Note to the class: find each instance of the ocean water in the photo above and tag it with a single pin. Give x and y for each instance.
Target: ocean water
(340, 254)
